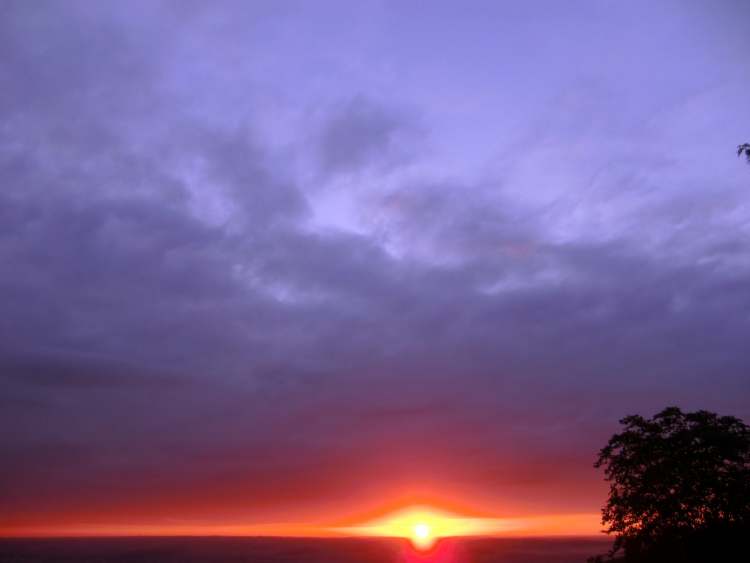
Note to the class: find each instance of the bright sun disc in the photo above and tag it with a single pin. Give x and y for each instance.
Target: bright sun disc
(425, 526)
(421, 536)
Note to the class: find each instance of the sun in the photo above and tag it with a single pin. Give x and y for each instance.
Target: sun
(424, 526)
(421, 536)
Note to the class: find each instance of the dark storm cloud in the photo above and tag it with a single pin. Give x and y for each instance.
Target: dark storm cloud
(180, 305)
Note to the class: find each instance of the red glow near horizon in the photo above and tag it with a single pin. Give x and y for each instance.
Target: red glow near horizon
(445, 516)
(442, 551)
(424, 526)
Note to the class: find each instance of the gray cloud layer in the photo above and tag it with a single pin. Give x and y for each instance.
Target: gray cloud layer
(255, 246)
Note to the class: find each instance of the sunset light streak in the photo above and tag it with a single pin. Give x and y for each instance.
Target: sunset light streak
(424, 525)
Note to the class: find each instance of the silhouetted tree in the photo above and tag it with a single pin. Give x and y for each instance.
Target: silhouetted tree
(744, 147)
(679, 487)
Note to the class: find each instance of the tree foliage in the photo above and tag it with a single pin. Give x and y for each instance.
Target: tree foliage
(744, 147)
(679, 486)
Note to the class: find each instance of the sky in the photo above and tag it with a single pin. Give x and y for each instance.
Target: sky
(265, 263)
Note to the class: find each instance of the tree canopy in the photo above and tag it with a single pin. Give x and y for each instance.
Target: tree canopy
(679, 486)
(744, 147)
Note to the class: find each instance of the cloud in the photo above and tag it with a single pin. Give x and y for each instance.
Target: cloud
(172, 312)
(360, 134)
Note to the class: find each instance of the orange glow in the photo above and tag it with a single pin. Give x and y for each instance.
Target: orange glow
(425, 525)
(424, 522)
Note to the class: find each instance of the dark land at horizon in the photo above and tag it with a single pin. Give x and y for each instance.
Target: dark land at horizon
(297, 550)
